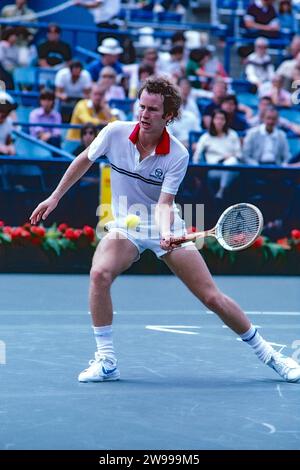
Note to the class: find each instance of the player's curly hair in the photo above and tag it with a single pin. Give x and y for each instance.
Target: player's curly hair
(170, 92)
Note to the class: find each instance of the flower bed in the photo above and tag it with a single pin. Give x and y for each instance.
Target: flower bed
(62, 249)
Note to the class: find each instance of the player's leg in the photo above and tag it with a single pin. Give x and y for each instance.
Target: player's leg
(111, 258)
(113, 255)
(189, 266)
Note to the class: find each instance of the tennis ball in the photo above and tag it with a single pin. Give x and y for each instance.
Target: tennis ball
(132, 221)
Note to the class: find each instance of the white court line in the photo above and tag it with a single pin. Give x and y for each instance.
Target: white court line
(263, 312)
(279, 390)
(173, 329)
(270, 427)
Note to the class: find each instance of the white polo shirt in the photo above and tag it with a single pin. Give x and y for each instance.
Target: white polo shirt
(136, 186)
(63, 79)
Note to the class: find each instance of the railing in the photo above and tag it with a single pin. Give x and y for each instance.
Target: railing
(166, 29)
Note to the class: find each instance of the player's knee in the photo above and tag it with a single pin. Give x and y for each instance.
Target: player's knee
(212, 300)
(101, 276)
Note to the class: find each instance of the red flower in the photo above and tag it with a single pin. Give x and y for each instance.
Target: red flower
(295, 234)
(39, 231)
(70, 234)
(62, 227)
(89, 232)
(1, 223)
(27, 226)
(19, 232)
(284, 243)
(258, 242)
(7, 230)
(77, 233)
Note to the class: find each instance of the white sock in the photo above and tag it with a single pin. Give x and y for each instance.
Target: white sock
(104, 341)
(262, 348)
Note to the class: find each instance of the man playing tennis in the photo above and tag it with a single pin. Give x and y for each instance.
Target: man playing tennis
(148, 166)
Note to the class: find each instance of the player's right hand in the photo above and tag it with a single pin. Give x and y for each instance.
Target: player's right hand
(43, 210)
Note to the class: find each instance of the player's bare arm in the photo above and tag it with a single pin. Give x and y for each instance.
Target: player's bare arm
(75, 171)
(164, 218)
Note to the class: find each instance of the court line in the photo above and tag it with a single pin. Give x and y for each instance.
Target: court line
(263, 312)
(173, 329)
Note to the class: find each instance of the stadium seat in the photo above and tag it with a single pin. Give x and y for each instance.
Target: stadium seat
(25, 77)
(70, 145)
(25, 148)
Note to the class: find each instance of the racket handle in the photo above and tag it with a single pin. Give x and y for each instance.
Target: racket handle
(190, 237)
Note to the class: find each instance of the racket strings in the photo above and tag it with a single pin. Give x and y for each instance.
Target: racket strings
(240, 226)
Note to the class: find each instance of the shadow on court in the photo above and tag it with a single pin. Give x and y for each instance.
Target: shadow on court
(186, 382)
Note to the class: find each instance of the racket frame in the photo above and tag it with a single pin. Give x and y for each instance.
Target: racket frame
(216, 231)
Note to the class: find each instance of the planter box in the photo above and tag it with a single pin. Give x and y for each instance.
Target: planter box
(33, 259)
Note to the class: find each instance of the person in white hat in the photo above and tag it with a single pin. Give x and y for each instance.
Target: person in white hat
(110, 50)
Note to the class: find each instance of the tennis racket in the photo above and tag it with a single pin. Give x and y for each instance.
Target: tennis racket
(237, 228)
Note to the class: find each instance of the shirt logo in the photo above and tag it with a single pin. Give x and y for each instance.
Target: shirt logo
(157, 173)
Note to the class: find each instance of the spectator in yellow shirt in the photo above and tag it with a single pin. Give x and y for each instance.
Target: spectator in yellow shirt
(95, 110)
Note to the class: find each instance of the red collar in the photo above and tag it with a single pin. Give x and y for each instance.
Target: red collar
(163, 146)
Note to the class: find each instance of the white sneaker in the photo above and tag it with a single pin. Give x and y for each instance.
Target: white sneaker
(285, 366)
(101, 369)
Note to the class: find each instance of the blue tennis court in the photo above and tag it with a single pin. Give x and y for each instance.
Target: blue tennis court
(186, 381)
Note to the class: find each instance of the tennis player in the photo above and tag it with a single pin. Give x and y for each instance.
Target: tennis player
(148, 165)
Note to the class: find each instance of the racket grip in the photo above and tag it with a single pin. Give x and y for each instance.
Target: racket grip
(178, 240)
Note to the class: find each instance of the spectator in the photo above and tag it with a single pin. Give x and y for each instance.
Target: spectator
(173, 63)
(286, 17)
(105, 14)
(54, 52)
(180, 5)
(72, 83)
(276, 92)
(202, 65)
(220, 145)
(110, 50)
(259, 67)
(286, 68)
(261, 19)
(7, 105)
(107, 80)
(94, 110)
(46, 114)
(88, 132)
(150, 57)
(264, 103)
(219, 92)
(9, 53)
(144, 71)
(182, 127)
(189, 97)
(236, 121)
(19, 9)
(266, 144)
